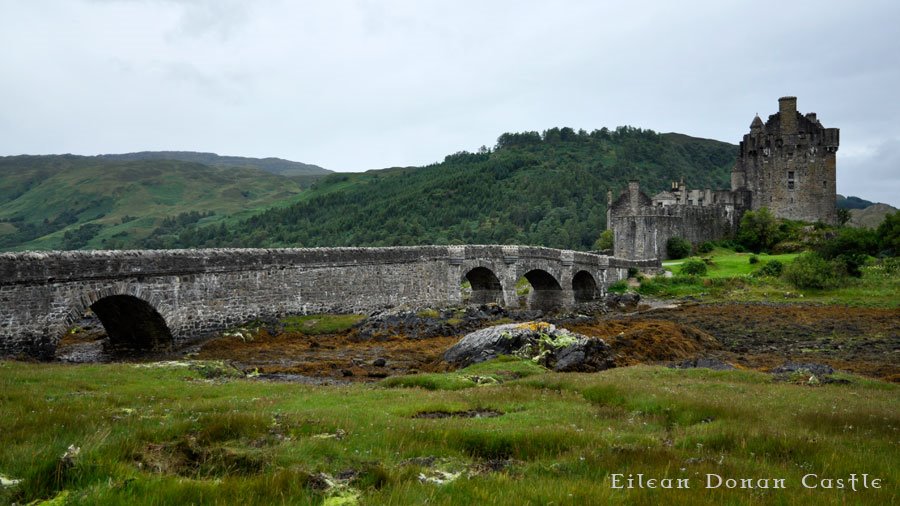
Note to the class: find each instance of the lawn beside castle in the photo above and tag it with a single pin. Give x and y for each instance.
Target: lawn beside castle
(731, 277)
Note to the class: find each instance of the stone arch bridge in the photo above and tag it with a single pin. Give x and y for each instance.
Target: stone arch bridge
(151, 300)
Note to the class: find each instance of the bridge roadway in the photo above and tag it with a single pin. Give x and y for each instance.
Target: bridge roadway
(150, 300)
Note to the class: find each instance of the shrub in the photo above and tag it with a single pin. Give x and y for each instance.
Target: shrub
(620, 286)
(851, 263)
(810, 270)
(706, 247)
(605, 241)
(773, 268)
(754, 259)
(889, 234)
(693, 267)
(676, 248)
(759, 230)
(849, 249)
(850, 241)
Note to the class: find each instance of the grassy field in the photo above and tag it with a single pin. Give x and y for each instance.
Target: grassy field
(506, 432)
(730, 277)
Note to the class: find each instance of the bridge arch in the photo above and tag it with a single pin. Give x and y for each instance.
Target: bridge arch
(584, 287)
(133, 325)
(546, 292)
(486, 287)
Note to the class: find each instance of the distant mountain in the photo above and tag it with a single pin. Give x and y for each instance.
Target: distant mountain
(871, 216)
(273, 165)
(77, 202)
(852, 202)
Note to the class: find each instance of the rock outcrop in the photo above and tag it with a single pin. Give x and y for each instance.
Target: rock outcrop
(553, 347)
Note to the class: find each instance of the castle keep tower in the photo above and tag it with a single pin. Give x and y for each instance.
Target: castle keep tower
(788, 165)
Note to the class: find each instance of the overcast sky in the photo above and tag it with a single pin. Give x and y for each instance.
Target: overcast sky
(358, 85)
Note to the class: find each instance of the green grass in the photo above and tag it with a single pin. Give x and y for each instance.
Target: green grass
(729, 279)
(315, 324)
(166, 435)
(493, 372)
(726, 263)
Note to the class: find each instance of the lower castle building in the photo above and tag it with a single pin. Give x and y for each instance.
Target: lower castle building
(786, 164)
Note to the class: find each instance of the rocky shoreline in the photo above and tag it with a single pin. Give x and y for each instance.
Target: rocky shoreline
(619, 331)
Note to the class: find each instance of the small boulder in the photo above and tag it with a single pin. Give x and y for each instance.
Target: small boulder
(585, 355)
(485, 344)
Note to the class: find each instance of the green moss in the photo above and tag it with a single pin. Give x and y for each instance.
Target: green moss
(430, 382)
(428, 313)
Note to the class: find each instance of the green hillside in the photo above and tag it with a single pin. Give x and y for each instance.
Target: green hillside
(274, 165)
(544, 189)
(532, 188)
(76, 202)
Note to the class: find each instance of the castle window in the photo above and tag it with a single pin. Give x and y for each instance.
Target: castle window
(790, 180)
(824, 184)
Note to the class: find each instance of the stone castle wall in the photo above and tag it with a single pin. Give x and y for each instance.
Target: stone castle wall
(643, 234)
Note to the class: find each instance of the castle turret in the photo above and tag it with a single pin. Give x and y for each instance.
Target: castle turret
(756, 126)
(787, 112)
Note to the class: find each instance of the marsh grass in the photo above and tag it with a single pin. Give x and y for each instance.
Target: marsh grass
(169, 435)
(321, 323)
(493, 372)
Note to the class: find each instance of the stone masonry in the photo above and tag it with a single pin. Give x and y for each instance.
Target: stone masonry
(159, 299)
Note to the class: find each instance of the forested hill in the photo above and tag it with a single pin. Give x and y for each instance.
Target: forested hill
(533, 188)
(273, 165)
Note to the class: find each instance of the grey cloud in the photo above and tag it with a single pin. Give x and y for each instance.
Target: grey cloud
(874, 176)
(406, 82)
